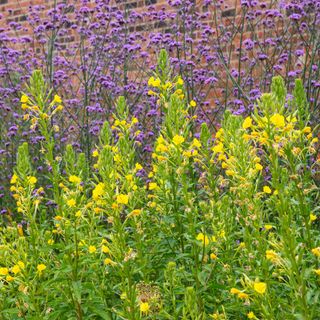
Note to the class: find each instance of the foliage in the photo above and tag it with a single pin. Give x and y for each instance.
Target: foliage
(90, 52)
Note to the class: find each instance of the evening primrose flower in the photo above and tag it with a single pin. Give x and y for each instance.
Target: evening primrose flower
(135, 212)
(251, 315)
(180, 81)
(230, 173)
(14, 179)
(59, 108)
(278, 120)
(213, 256)
(177, 140)
(218, 148)
(24, 99)
(105, 249)
(152, 82)
(196, 143)
(9, 278)
(109, 262)
(267, 189)
(57, 99)
(203, 238)
(272, 256)
(92, 249)
(316, 251)
(95, 153)
(247, 123)
(153, 186)
(161, 148)
(306, 130)
(260, 287)
(243, 295)
(234, 291)
(313, 217)
(71, 203)
(4, 271)
(144, 307)
(258, 167)
(32, 180)
(41, 267)
(193, 104)
(15, 269)
(74, 179)
(98, 191)
(122, 199)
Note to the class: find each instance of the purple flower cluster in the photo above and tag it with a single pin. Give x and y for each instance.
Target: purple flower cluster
(93, 51)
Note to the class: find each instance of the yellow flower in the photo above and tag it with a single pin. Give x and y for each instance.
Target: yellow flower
(243, 295)
(32, 180)
(260, 287)
(151, 93)
(272, 256)
(105, 249)
(50, 242)
(21, 264)
(108, 261)
(234, 291)
(138, 167)
(122, 199)
(92, 249)
(306, 130)
(316, 251)
(98, 191)
(161, 148)
(267, 189)
(193, 104)
(24, 99)
(213, 256)
(313, 217)
(71, 203)
(204, 238)
(4, 271)
(135, 212)
(218, 148)
(177, 140)
(153, 186)
(152, 82)
(259, 167)
(16, 269)
(9, 278)
(14, 179)
(74, 179)
(57, 99)
(196, 143)
(95, 153)
(278, 120)
(247, 123)
(144, 307)
(251, 315)
(180, 81)
(230, 173)
(59, 108)
(41, 267)
(317, 271)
